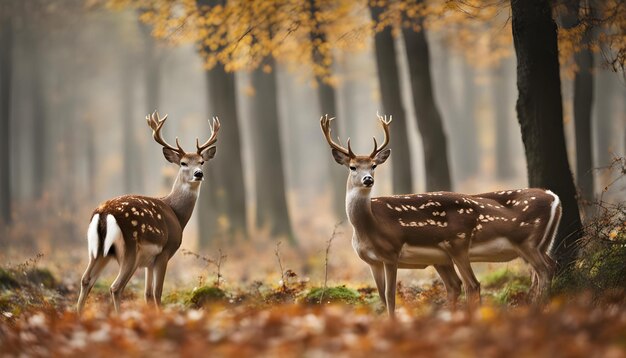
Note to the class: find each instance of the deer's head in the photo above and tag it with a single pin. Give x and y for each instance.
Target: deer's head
(190, 163)
(361, 166)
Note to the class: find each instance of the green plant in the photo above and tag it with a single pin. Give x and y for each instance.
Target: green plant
(337, 294)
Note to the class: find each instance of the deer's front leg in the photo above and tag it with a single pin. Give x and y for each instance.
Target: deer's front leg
(391, 271)
(378, 272)
(149, 290)
(160, 267)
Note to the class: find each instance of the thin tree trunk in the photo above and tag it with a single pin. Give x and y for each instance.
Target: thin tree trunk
(152, 70)
(327, 102)
(132, 165)
(389, 83)
(501, 103)
(222, 206)
(540, 114)
(271, 199)
(583, 102)
(470, 148)
(38, 110)
(429, 122)
(6, 70)
(222, 209)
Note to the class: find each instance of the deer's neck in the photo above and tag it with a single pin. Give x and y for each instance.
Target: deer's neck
(182, 199)
(359, 209)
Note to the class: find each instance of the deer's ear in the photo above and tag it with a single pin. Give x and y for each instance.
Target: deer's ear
(209, 153)
(382, 156)
(340, 157)
(171, 156)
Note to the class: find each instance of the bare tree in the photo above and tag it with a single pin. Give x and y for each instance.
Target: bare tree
(6, 70)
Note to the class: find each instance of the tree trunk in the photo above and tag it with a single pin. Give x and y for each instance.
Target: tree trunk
(469, 163)
(583, 100)
(389, 83)
(327, 102)
(132, 166)
(222, 207)
(38, 111)
(152, 70)
(540, 114)
(271, 200)
(429, 120)
(6, 70)
(500, 98)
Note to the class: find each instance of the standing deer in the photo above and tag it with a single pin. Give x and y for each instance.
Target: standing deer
(140, 231)
(444, 229)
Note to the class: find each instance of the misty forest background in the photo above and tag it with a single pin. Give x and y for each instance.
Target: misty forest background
(77, 79)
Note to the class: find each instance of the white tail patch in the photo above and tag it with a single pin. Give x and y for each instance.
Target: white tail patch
(114, 233)
(92, 236)
(553, 207)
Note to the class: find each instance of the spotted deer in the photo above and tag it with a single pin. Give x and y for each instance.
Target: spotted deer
(443, 229)
(140, 231)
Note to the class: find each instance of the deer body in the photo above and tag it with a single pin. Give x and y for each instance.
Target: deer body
(145, 232)
(444, 229)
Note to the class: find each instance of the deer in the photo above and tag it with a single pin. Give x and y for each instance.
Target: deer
(445, 230)
(145, 232)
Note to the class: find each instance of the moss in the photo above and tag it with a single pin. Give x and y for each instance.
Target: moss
(512, 286)
(498, 279)
(41, 277)
(205, 295)
(337, 294)
(7, 281)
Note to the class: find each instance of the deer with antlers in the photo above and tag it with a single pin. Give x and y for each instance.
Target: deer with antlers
(443, 229)
(140, 231)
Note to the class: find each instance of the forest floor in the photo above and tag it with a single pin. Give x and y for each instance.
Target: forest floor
(37, 318)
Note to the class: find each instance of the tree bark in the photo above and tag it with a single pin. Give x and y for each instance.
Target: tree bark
(6, 70)
(501, 103)
(583, 102)
(222, 207)
(389, 83)
(152, 69)
(132, 165)
(271, 200)
(429, 122)
(540, 114)
(327, 102)
(469, 163)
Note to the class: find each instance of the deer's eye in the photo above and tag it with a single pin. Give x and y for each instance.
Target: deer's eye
(374, 166)
(353, 168)
(201, 163)
(183, 164)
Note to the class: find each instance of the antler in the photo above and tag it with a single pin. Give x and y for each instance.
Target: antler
(215, 127)
(325, 124)
(156, 123)
(385, 123)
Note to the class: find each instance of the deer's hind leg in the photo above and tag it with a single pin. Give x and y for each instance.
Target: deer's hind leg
(128, 266)
(458, 250)
(93, 271)
(452, 282)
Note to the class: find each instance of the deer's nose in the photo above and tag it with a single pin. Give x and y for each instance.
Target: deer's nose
(198, 174)
(368, 180)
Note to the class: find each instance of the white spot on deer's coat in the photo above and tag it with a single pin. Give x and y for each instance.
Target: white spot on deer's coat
(126, 214)
(159, 216)
(461, 235)
(114, 233)
(525, 208)
(133, 222)
(92, 236)
(389, 206)
(514, 219)
(398, 208)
